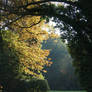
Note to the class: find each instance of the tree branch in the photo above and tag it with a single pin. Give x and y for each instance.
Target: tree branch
(28, 26)
(7, 24)
(47, 1)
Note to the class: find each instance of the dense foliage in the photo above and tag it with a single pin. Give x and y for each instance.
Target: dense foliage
(75, 21)
(21, 56)
(21, 53)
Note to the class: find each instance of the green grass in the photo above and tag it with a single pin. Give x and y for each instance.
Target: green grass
(67, 91)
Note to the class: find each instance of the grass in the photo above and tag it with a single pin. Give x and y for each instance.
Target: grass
(66, 91)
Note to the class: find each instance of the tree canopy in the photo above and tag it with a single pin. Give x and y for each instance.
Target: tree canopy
(73, 17)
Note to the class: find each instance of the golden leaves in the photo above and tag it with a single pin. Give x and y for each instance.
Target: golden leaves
(26, 41)
(31, 57)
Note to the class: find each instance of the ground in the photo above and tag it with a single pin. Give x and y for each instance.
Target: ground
(67, 91)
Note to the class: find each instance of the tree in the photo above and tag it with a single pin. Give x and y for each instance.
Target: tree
(22, 56)
(76, 18)
(80, 44)
(20, 9)
(20, 51)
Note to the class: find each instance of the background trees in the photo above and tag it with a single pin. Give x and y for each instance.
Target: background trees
(61, 74)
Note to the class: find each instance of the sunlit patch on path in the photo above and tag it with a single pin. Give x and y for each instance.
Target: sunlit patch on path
(67, 91)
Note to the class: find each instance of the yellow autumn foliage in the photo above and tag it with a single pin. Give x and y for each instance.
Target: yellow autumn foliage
(31, 58)
(26, 39)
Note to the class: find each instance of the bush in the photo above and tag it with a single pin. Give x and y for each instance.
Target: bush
(38, 85)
